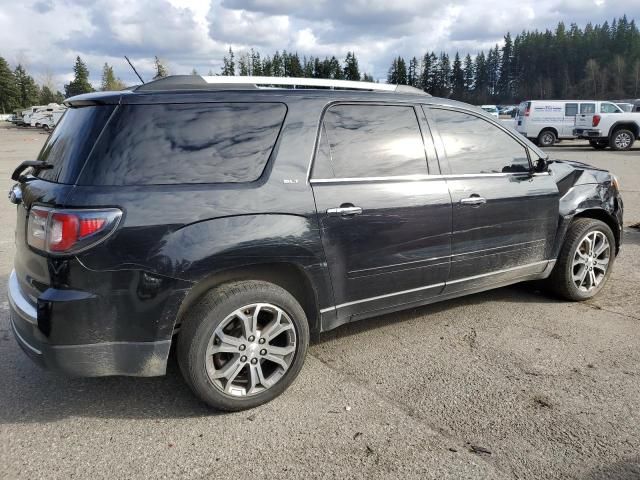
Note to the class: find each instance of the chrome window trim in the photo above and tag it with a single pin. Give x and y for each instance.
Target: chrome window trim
(416, 178)
(435, 285)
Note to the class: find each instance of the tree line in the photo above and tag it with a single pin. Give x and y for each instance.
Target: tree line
(599, 61)
(18, 89)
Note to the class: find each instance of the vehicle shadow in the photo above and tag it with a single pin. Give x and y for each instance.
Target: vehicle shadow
(624, 470)
(33, 395)
(527, 292)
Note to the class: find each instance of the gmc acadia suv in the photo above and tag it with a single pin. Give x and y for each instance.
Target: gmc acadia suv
(237, 221)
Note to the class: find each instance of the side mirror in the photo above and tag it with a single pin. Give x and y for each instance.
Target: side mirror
(540, 165)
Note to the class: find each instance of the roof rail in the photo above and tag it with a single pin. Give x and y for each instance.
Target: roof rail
(219, 81)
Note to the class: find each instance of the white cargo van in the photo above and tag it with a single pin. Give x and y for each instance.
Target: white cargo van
(547, 121)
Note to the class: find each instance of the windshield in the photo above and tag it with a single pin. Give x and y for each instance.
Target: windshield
(71, 141)
(490, 109)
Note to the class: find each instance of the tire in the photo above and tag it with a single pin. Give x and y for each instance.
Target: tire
(599, 144)
(546, 138)
(217, 315)
(562, 280)
(622, 139)
(46, 128)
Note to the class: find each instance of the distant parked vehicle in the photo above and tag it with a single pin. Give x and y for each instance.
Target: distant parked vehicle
(52, 119)
(547, 121)
(491, 110)
(616, 130)
(626, 107)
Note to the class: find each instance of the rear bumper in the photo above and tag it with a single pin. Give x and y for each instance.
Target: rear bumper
(143, 359)
(587, 133)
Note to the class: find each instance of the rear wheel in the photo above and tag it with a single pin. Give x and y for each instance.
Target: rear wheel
(243, 344)
(599, 144)
(585, 261)
(547, 138)
(622, 139)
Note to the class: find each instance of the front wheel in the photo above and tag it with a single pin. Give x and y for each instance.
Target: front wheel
(243, 344)
(585, 261)
(622, 139)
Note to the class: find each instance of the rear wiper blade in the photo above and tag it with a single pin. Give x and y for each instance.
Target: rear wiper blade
(37, 164)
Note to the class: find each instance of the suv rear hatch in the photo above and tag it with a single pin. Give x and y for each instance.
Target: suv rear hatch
(64, 155)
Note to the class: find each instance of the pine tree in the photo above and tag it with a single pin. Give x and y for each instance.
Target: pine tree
(46, 96)
(228, 65)
(367, 78)
(398, 72)
(427, 72)
(277, 65)
(505, 82)
(27, 89)
(413, 76)
(457, 79)
(80, 83)
(469, 77)
(351, 70)
(109, 81)
(9, 96)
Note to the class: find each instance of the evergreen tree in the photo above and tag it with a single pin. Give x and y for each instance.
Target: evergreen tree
(228, 65)
(506, 80)
(469, 77)
(109, 81)
(27, 89)
(367, 78)
(9, 96)
(398, 72)
(80, 83)
(457, 79)
(277, 65)
(351, 70)
(46, 96)
(428, 72)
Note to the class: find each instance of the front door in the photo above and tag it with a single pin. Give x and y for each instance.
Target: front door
(385, 222)
(504, 218)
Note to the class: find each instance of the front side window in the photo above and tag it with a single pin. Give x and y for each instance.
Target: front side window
(609, 108)
(570, 109)
(475, 146)
(359, 141)
(185, 144)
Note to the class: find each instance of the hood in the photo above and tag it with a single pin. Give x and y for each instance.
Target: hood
(569, 173)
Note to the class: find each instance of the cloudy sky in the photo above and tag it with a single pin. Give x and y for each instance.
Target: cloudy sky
(46, 35)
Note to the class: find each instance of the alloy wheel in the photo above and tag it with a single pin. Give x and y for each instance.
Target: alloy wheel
(251, 350)
(622, 140)
(591, 261)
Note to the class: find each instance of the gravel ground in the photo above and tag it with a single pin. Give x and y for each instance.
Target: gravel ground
(504, 384)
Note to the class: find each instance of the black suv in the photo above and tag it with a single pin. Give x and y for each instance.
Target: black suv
(236, 221)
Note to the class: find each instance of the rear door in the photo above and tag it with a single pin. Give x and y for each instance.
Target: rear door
(584, 118)
(385, 221)
(570, 113)
(504, 219)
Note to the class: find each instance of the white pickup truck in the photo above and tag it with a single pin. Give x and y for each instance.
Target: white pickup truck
(616, 130)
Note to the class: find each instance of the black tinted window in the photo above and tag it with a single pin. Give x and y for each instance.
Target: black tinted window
(474, 145)
(185, 143)
(71, 141)
(372, 141)
(571, 110)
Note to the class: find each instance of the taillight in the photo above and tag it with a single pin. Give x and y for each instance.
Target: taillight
(526, 111)
(595, 121)
(60, 231)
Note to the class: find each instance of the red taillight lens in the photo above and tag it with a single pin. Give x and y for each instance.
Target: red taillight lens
(69, 231)
(596, 120)
(526, 111)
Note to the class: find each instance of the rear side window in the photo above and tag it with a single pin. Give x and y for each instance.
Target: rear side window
(587, 108)
(570, 109)
(185, 143)
(474, 145)
(71, 141)
(359, 141)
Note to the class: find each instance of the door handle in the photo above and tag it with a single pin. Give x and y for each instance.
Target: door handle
(473, 200)
(346, 211)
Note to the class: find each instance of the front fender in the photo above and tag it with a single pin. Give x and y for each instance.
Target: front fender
(595, 200)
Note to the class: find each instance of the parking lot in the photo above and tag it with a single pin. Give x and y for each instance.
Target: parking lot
(509, 383)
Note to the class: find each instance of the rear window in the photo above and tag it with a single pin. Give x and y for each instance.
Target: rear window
(185, 143)
(70, 142)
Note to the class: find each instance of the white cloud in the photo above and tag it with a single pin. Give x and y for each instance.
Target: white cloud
(48, 34)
